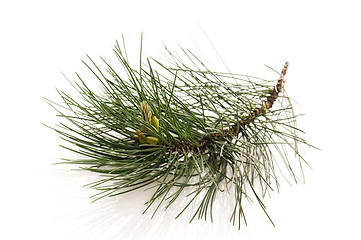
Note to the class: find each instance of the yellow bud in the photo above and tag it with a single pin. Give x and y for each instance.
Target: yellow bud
(142, 138)
(146, 112)
(155, 123)
(152, 140)
(136, 137)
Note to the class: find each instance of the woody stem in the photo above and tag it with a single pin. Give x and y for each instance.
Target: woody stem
(236, 128)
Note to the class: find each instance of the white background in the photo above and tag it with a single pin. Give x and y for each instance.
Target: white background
(41, 39)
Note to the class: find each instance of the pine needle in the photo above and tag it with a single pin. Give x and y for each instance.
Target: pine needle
(168, 127)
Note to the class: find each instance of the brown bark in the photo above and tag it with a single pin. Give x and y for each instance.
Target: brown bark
(206, 141)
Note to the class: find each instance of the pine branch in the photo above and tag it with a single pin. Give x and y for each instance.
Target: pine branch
(177, 125)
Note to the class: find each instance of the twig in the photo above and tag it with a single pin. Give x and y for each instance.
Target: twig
(235, 129)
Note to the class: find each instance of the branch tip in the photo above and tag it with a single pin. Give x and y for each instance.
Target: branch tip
(284, 70)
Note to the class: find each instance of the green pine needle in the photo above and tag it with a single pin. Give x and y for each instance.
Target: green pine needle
(203, 134)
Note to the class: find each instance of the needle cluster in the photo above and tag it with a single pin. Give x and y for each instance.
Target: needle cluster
(169, 126)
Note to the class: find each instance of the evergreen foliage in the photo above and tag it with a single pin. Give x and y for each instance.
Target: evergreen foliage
(169, 126)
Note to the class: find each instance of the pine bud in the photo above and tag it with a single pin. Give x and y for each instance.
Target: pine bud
(155, 123)
(146, 112)
(152, 140)
(136, 137)
(142, 138)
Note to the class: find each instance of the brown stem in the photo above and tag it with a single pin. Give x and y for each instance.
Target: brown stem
(271, 98)
(235, 129)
